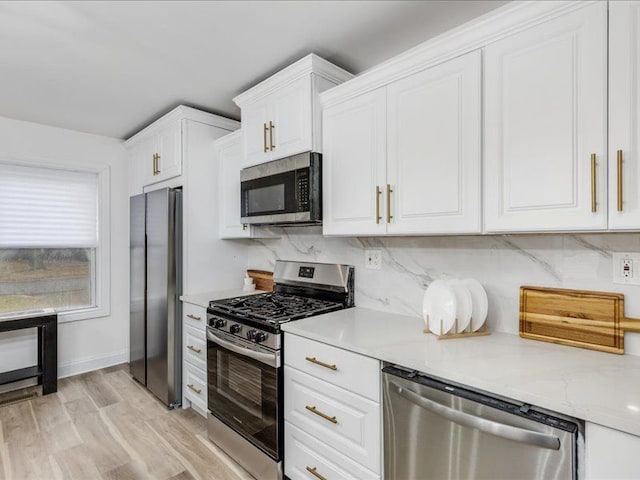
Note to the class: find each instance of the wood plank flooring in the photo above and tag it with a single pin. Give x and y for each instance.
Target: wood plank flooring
(104, 425)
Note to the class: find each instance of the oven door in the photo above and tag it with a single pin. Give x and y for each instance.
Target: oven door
(243, 381)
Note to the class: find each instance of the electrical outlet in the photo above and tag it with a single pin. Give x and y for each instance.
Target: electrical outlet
(373, 259)
(625, 267)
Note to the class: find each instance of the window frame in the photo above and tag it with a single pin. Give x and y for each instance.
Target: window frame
(102, 278)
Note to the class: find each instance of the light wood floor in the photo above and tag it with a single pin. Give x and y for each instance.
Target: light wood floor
(104, 425)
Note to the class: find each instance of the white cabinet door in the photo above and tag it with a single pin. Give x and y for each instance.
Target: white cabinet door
(229, 154)
(434, 153)
(290, 117)
(545, 116)
(146, 150)
(136, 169)
(354, 162)
(611, 454)
(624, 115)
(169, 147)
(255, 128)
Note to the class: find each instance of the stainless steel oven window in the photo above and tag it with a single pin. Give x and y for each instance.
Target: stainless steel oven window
(243, 393)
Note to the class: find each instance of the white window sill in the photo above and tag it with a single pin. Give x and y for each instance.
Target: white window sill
(83, 314)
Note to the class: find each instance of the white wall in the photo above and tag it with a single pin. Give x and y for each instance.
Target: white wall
(85, 344)
(502, 263)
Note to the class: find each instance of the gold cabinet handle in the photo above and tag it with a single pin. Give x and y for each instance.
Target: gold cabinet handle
(197, 390)
(194, 317)
(194, 349)
(314, 471)
(322, 364)
(389, 192)
(264, 137)
(378, 193)
(158, 163)
(320, 414)
(593, 183)
(271, 127)
(155, 169)
(620, 180)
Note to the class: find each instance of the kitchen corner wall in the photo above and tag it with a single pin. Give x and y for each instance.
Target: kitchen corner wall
(501, 263)
(85, 344)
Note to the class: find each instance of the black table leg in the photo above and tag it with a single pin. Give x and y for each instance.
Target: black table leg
(50, 357)
(40, 353)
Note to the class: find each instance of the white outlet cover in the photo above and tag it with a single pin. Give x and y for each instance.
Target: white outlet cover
(373, 259)
(619, 259)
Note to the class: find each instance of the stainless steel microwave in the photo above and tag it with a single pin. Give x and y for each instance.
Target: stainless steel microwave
(282, 192)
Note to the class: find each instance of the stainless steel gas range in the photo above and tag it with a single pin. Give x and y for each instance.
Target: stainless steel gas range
(244, 359)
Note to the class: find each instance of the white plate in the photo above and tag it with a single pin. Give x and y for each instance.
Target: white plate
(439, 306)
(480, 303)
(464, 304)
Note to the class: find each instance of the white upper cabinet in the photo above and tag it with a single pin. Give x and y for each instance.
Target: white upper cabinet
(280, 115)
(545, 126)
(624, 111)
(354, 162)
(229, 154)
(160, 153)
(405, 159)
(434, 149)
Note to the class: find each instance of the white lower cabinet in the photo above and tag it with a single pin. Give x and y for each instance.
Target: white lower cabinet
(194, 358)
(611, 454)
(330, 431)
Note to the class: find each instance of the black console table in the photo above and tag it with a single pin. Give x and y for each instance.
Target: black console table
(46, 321)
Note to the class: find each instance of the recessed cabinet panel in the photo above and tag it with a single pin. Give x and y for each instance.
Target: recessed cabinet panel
(169, 154)
(624, 111)
(255, 128)
(354, 146)
(229, 154)
(433, 163)
(545, 126)
(290, 128)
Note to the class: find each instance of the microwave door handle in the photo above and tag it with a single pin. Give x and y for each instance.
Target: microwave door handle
(271, 359)
(508, 432)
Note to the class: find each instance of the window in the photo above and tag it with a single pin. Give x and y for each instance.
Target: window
(49, 238)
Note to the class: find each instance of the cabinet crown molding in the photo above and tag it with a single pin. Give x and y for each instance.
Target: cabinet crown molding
(311, 64)
(182, 112)
(475, 34)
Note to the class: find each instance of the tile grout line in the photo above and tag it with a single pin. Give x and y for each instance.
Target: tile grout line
(186, 463)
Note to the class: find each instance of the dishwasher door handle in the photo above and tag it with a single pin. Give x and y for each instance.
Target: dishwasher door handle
(509, 432)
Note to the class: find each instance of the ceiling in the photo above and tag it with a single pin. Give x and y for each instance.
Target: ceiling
(111, 67)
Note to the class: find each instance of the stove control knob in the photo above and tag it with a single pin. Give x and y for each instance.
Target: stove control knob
(235, 328)
(251, 334)
(260, 337)
(220, 322)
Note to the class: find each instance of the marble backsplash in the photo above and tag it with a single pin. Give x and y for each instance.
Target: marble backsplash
(502, 263)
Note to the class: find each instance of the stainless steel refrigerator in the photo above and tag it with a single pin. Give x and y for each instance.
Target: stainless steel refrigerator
(155, 250)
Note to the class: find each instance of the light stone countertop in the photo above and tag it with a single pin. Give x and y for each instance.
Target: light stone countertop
(598, 387)
(203, 299)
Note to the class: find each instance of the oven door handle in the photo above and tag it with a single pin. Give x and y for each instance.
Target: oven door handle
(271, 359)
(516, 434)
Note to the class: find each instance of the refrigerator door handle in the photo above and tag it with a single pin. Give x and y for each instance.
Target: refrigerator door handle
(508, 432)
(271, 359)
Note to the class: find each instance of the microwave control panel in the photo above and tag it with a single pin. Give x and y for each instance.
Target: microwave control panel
(302, 179)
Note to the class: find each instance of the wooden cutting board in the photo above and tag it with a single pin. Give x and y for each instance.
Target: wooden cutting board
(579, 318)
(262, 279)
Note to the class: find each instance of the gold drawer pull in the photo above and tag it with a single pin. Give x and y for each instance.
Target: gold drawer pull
(322, 364)
(193, 317)
(620, 181)
(194, 349)
(197, 390)
(314, 471)
(320, 414)
(378, 193)
(389, 192)
(264, 137)
(271, 127)
(594, 203)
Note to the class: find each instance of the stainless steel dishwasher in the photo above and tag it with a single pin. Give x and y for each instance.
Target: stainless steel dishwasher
(434, 430)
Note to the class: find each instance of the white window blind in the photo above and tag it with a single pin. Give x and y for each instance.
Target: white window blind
(46, 207)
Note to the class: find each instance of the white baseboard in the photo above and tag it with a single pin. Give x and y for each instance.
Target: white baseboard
(83, 365)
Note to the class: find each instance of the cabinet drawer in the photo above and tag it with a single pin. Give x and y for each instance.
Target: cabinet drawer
(348, 422)
(195, 348)
(352, 371)
(195, 386)
(305, 452)
(194, 316)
